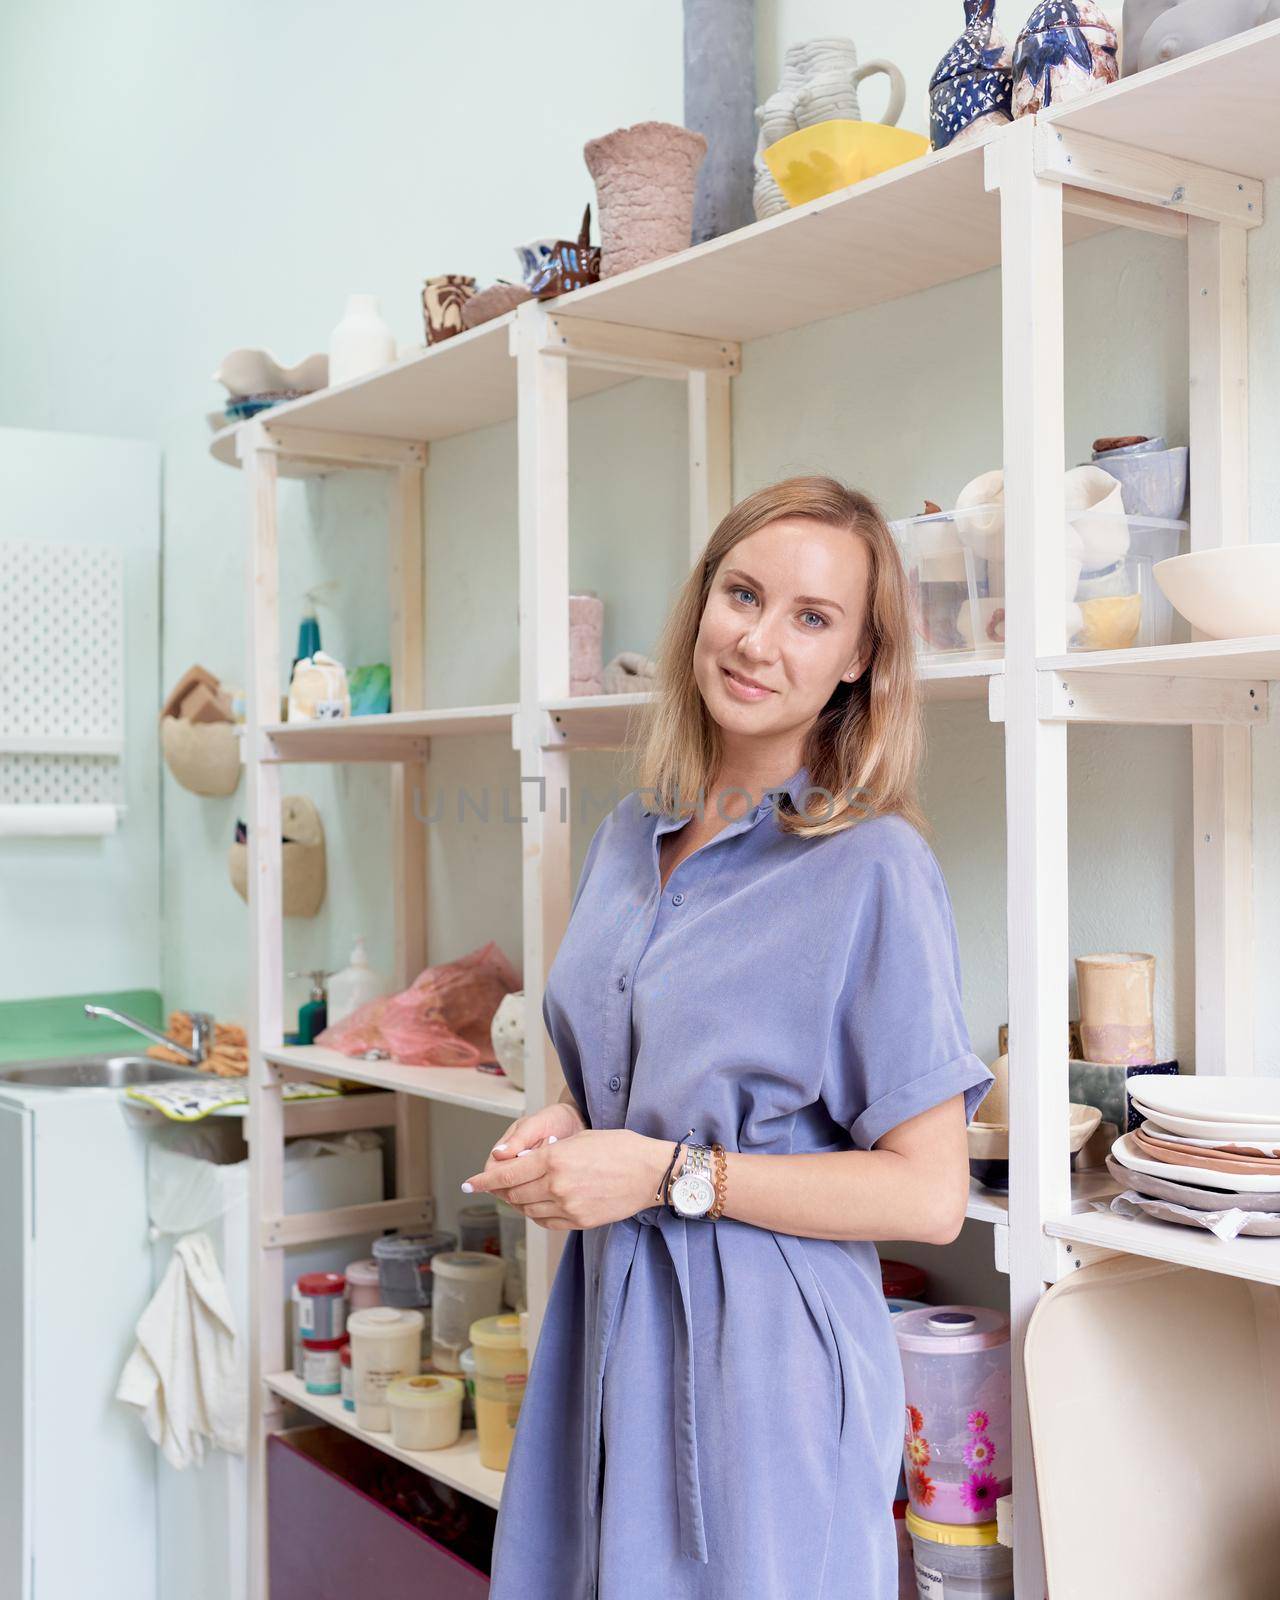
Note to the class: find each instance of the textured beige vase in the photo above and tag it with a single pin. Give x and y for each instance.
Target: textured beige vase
(1117, 991)
(645, 177)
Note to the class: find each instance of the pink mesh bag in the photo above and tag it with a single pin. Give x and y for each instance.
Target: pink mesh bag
(441, 1020)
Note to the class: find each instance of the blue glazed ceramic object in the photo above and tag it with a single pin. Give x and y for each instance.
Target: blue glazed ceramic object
(1067, 49)
(972, 86)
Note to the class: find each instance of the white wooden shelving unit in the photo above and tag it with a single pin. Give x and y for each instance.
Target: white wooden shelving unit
(1179, 151)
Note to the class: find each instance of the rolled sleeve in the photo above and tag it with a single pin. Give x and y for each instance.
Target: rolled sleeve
(899, 1043)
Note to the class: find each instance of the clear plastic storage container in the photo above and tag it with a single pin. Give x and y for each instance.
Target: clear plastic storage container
(955, 566)
(957, 1446)
(468, 1285)
(959, 1563)
(404, 1265)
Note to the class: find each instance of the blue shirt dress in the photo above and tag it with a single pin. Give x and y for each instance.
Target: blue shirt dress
(715, 1410)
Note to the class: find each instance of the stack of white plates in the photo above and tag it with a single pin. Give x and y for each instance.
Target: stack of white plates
(1207, 1144)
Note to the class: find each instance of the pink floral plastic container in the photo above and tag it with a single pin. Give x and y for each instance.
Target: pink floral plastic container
(957, 1450)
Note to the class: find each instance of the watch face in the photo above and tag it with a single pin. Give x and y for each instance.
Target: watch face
(692, 1194)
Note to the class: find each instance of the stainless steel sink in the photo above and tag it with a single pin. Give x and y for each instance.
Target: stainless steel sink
(95, 1072)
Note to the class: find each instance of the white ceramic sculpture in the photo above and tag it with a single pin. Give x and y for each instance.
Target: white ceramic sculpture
(1156, 31)
(507, 1034)
(819, 83)
(246, 372)
(362, 342)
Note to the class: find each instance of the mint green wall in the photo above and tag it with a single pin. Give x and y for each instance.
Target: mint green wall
(202, 177)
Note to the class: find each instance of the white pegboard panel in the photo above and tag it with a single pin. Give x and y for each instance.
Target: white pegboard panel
(62, 673)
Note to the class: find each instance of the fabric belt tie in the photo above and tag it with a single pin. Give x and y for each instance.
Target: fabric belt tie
(673, 1231)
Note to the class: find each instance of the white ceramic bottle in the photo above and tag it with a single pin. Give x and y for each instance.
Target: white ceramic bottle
(362, 342)
(355, 985)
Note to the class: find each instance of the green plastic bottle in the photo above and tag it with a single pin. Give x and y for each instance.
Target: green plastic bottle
(313, 1016)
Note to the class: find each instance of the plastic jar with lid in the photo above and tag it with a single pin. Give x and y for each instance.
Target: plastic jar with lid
(363, 1285)
(404, 1266)
(426, 1411)
(478, 1228)
(386, 1344)
(502, 1370)
(468, 1285)
(960, 1563)
(322, 1365)
(322, 1299)
(295, 1328)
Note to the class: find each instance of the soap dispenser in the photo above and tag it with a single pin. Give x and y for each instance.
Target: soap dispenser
(355, 985)
(313, 1015)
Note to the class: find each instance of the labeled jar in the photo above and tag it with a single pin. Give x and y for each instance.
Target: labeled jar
(322, 1365)
(959, 1563)
(426, 1411)
(386, 1344)
(322, 1302)
(468, 1285)
(404, 1266)
(295, 1329)
(502, 1370)
(363, 1287)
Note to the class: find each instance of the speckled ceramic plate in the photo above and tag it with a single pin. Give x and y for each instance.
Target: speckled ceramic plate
(1199, 1197)
(1266, 1225)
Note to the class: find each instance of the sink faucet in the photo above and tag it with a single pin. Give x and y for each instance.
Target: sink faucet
(201, 1031)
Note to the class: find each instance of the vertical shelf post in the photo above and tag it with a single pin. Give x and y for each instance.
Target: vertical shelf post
(266, 980)
(542, 436)
(710, 454)
(408, 831)
(1222, 805)
(1035, 766)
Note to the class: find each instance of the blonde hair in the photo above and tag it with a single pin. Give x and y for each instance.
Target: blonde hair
(865, 746)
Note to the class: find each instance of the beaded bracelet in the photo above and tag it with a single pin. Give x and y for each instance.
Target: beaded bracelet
(721, 1181)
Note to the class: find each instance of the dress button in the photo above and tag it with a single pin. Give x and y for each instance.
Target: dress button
(622, 983)
(615, 1083)
(677, 899)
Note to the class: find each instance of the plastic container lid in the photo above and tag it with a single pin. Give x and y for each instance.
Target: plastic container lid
(382, 1322)
(363, 1274)
(950, 1330)
(464, 1265)
(428, 1391)
(411, 1246)
(497, 1333)
(313, 1283)
(324, 1344)
(478, 1209)
(968, 1533)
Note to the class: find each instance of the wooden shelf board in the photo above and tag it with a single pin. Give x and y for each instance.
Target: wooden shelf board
(985, 1205)
(458, 1465)
(1217, 107)
(1255, 1259)
(603, 721)
(1206, 658)
(455, 1086)
(466, 382)
(358, 738)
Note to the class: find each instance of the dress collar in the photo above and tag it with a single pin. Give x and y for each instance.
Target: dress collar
(794, 788)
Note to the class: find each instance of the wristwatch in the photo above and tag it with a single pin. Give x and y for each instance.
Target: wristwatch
(694, 1192)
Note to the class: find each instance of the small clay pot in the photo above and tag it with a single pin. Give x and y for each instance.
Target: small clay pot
(442, 301)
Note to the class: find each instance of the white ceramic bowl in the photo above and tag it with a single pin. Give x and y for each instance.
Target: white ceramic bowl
(1229, 593)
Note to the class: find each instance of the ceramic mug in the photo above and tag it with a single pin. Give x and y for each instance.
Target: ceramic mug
(442, 302)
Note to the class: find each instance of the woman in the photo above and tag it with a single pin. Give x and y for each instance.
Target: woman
(715, 1406)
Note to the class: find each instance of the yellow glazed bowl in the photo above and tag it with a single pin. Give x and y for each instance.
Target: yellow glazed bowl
(832, 155)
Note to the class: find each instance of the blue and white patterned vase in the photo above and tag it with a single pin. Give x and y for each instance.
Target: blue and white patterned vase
(1067, 49)
(972, 86)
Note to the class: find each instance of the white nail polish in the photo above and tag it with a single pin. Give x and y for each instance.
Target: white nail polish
(551, 1139)
(499, 1147)
(520, 1153)
(468, 1188)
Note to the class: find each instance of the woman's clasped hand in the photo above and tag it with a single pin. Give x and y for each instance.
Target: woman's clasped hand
(565, 1175)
